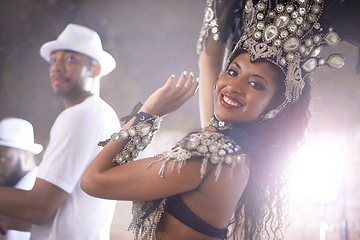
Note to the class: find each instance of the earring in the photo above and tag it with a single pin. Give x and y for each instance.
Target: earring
(274, 112)
(269, 115)
(214, 87)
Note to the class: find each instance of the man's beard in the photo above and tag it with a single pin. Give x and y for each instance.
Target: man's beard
(70, 95)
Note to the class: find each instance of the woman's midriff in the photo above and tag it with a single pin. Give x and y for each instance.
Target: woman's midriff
(170, 228)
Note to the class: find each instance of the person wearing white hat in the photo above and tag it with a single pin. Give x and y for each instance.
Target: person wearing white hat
(56, 205)
(17, 164)
(17, 149)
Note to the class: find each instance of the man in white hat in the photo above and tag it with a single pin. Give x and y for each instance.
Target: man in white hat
(17, 164)
(56, 205)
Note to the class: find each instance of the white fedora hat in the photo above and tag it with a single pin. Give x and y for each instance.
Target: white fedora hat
(80, 39)
(18, 133)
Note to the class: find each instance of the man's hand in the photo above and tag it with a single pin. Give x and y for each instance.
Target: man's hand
(3, 225)
(13, 224)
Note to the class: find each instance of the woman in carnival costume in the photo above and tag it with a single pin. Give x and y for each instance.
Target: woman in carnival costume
(226, 181)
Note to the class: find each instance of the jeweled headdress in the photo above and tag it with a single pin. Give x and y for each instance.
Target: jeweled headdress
(288, 35)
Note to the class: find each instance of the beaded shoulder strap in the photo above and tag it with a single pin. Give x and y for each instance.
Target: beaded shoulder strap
(209, 145)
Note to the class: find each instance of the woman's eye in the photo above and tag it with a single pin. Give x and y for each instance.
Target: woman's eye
(232, 72)
(256, 85)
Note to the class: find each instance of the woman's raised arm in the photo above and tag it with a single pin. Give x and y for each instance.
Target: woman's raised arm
(103, 180)
(210, 66)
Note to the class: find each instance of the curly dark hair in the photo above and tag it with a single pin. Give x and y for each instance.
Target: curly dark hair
(261, 208)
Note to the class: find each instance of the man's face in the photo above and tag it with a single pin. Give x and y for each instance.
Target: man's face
(10, 166)
(70, 73)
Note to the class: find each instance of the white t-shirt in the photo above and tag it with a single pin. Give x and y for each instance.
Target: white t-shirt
(73, 145)
(25, 183)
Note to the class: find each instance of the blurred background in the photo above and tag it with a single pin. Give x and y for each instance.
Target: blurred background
(152, 39)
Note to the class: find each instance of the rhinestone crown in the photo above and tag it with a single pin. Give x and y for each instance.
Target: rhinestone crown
(289, 36)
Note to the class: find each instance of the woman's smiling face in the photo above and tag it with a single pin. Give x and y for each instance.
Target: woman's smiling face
(245, 90)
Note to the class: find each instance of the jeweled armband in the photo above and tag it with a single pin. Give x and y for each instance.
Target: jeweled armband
(139, 134)
(218, 14)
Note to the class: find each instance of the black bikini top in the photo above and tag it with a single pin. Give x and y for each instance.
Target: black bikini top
(176, 207)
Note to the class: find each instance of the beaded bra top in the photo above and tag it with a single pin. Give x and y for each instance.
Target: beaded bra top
(288, 35)
(209, 145)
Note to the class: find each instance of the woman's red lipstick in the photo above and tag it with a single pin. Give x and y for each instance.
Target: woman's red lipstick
(229, 102)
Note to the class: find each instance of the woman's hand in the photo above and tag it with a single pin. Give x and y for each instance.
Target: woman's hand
(169, 98)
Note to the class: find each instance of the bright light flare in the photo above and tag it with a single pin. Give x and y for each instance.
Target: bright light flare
(317, 172)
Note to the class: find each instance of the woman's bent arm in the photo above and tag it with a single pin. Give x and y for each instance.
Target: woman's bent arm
(103, 179)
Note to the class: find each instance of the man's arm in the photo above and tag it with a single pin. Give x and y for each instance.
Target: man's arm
(13, 224)
(35, 206)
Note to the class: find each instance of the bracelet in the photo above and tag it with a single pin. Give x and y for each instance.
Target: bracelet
(139, 134)
(133, 113)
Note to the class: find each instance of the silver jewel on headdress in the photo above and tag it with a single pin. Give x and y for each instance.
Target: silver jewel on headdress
(288, 36)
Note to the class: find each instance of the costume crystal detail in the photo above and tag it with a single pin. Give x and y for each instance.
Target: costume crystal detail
(210, 24)
(215, 22)
(144, 223)
(289, 35)
(210, 145)
(140, 135)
